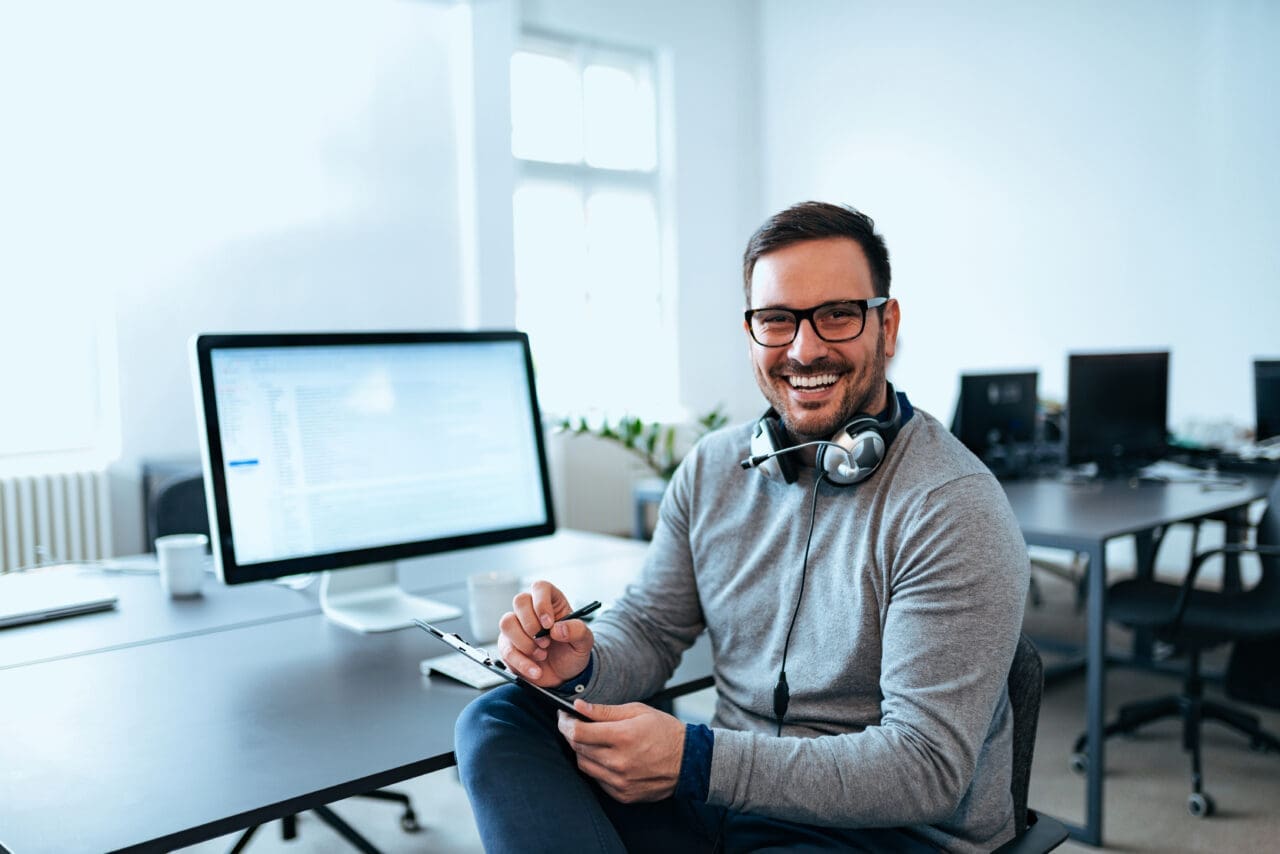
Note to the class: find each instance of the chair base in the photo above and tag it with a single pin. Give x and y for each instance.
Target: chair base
(289, 824)
(1135, 715)
(1192, 710)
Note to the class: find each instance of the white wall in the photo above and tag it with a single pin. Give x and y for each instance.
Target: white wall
(240, 166)
(334, 164)
(1049, 178)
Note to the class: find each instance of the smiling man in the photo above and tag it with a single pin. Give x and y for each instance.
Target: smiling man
(816, 380)
(860, 577)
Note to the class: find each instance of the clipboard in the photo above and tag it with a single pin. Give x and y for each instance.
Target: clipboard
(497, 667)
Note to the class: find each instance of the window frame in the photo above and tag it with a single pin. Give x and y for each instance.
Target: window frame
(587, 179)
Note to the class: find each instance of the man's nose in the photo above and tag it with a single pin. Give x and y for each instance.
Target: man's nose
(807, 346)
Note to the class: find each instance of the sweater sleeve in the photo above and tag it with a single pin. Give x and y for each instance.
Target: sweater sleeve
(639, 641)
(957, 580)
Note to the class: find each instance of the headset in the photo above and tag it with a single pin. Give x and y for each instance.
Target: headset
(848, 457)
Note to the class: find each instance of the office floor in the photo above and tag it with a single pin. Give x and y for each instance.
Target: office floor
(1146, 788)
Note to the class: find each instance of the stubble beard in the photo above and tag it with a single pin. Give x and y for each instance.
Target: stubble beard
(862, 396)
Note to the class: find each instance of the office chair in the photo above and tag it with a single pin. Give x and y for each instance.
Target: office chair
(1035, 832)
(1192, 621)
(178, 507)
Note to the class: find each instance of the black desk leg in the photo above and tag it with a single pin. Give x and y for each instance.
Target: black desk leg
(1095, 697)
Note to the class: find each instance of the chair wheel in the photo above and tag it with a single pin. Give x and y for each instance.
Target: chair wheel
(1200, 805)
(1079, 763)
(409, 823)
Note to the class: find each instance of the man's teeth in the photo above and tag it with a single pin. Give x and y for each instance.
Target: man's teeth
(812, 381)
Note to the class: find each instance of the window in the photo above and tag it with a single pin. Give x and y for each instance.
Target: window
(591, 286)
(57, 388)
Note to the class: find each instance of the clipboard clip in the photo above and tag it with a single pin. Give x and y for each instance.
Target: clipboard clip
(455, 640)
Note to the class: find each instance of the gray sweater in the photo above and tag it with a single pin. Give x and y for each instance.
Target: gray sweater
(897, 666)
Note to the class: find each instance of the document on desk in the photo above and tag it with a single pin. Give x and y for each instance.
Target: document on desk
(464, 670)
(1171, 472)
(49, 593)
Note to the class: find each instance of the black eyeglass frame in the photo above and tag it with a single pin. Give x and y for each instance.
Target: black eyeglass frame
(803, 314)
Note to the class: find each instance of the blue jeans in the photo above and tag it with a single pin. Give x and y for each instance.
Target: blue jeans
(528, 795)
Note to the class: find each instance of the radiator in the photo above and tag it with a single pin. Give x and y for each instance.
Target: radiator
(54, 517)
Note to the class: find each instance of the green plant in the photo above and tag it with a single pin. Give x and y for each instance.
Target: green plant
(652, 441)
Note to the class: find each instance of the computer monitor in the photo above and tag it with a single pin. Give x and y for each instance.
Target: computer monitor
(345, 452)
(1266, 398)
(996, 411)
(1117, 409)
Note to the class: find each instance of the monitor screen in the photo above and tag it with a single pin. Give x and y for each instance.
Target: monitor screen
(996, 410)
(331, 451)
(1266, 398)
(1117, 409)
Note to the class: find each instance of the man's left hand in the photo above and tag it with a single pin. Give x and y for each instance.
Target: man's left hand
(633, 751)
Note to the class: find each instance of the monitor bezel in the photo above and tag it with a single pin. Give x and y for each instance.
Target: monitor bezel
(1077, 455)
(1259, 367)
(222, 537)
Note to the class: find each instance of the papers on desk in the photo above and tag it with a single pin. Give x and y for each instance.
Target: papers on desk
(1172, 472)
(465, 670)
(50, 593)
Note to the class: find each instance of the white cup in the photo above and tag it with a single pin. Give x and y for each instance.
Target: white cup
(490, 595)
(182, 559)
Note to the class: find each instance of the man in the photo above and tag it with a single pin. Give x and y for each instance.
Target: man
(863, 606)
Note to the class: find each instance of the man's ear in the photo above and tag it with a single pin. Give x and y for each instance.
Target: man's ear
(891, 317)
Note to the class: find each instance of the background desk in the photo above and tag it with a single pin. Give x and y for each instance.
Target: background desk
(1084, 517)
(164, 723)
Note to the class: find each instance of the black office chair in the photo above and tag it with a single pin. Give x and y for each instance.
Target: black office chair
(1035, 832)
(1192, 621)
(178, 507)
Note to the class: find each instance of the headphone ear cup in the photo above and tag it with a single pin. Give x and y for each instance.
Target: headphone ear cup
(863, 448)
(767, 438)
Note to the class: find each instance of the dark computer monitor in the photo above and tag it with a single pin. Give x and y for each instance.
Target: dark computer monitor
(1266, 398)
(1117, 409)
(996, 411)
(345, 452)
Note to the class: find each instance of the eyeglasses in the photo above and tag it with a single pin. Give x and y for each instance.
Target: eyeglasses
(833, 321)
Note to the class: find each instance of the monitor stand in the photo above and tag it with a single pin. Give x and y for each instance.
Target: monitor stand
(370, 599)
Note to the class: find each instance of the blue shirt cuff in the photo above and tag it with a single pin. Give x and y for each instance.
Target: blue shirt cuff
(695, 765)
(577, 684)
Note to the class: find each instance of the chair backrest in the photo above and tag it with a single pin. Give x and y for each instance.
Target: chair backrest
(1252, 675)
(178, 507)
(1026, 684)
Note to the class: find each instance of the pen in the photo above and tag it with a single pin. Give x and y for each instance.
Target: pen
(575, 615)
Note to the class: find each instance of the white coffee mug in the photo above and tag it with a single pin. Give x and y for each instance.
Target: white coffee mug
(182, 560)
(490, 595)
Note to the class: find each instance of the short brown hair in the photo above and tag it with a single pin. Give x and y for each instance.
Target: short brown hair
(815, 221)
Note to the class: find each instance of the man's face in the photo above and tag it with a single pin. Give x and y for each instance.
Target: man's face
(815, 385)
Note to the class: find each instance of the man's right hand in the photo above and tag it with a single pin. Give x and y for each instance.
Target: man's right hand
(546, 661)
